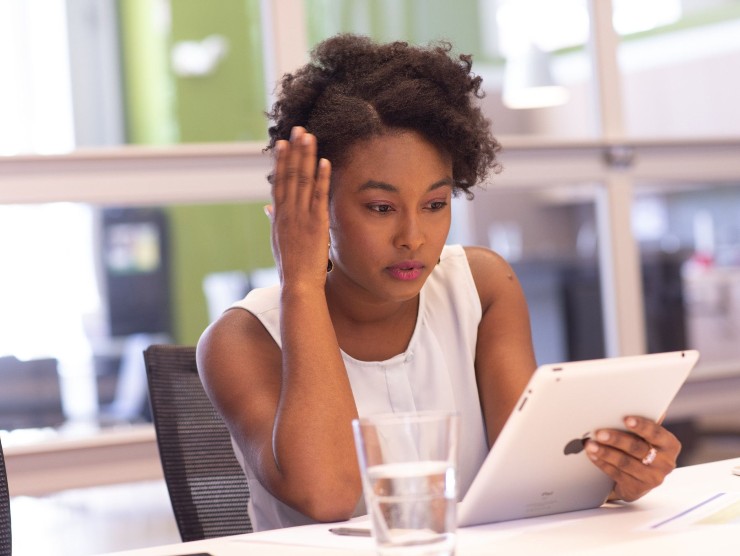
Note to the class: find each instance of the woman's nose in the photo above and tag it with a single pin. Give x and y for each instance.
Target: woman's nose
(410, 234)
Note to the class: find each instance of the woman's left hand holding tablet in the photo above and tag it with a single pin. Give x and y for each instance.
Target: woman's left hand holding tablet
(638, 459)
(300, 211)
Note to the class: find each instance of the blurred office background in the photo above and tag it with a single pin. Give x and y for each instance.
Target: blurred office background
(617, 205)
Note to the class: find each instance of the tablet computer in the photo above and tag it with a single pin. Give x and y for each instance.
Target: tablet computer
(537, 465)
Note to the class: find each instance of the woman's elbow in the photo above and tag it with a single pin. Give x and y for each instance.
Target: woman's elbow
(329, 506)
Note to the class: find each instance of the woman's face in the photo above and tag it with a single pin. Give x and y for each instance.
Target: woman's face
(389, 215)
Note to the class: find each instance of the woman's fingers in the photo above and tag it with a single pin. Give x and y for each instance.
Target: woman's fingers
(643, 436)
(306, 176)
(654, 434)
(637, 460)
(289, 176)
(300, 210)
(320, 201)
(295, 169)
(286, 163)
(278, 177)
(298, 180)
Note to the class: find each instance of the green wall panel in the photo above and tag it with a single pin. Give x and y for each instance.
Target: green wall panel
(228, 104)
(415, 21)
(147, 82)
(206, 239)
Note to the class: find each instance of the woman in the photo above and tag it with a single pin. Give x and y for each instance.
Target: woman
(374, 313)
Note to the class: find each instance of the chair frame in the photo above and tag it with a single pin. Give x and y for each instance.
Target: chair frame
(6, 536)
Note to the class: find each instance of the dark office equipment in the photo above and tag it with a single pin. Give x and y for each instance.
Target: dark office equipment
(564, 299)
(135, 262)
(665, 313)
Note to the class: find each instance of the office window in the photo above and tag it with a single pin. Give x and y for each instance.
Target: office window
(548, 234)
(536, 72)
(89, 287)
(689, 240)
(675, 72)
(35, 97)
(49, 296)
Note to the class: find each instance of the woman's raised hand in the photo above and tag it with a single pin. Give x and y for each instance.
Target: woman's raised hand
(300, 211)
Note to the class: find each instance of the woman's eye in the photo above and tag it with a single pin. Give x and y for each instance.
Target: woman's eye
(380, 208)
(437, 205)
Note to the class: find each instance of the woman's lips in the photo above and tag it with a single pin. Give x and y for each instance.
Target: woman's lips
(406, 270)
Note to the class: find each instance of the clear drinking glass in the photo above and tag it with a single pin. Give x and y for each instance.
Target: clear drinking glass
(408, 463)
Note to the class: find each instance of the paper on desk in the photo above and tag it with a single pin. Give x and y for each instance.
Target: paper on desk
(721, 509)
(319, 536)
(314, 535)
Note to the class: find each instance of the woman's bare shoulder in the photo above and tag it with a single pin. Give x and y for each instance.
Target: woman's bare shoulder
(483, 257)
(492, 274)
(235, 338)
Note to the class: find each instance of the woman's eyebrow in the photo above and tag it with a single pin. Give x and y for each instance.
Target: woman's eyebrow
(446, 181)
(374, 184)
(384, 186)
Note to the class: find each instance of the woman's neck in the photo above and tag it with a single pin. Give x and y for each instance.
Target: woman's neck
(373, 331)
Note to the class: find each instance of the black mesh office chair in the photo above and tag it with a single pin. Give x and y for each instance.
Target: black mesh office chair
(5, 532)
(206, 484)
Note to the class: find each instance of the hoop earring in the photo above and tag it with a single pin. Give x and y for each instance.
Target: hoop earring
(329, 264)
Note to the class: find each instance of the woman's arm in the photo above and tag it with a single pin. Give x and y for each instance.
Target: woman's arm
(504, 359)
(291, 411)
(637, 459)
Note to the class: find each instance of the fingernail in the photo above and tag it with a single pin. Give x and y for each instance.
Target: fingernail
(602, 436)
(631, 422)
(268, 210)
(592, 447)
(307, 139)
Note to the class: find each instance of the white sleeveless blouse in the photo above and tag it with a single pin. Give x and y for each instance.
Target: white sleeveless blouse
(435, 372)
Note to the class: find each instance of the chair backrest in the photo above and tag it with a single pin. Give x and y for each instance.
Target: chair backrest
(30, 396)
(5, 532)
(207, 486)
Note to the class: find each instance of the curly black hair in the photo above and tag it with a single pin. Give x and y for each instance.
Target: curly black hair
(353, 89)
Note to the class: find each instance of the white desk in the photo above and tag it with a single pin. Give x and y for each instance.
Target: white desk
(613, 530)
